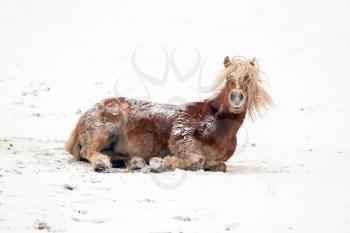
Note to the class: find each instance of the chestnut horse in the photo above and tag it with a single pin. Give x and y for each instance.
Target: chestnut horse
(193, 136)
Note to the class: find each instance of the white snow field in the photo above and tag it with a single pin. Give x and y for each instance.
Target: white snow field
(291, 172)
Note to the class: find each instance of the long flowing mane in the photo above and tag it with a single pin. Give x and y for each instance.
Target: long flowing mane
(247, 71)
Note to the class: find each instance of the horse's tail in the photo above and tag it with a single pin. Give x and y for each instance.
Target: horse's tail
(72, 145)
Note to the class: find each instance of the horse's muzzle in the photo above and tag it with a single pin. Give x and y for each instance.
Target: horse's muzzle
(237, 98)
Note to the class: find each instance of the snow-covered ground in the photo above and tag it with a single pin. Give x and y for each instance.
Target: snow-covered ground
(291, 172)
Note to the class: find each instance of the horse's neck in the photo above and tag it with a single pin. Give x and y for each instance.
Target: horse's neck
(227, 122)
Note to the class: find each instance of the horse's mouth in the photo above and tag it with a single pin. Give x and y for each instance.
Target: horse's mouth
(237, 108)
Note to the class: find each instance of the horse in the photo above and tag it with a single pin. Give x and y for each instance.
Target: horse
(192, 136)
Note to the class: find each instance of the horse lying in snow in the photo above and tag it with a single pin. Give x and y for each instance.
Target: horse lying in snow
(193, 136)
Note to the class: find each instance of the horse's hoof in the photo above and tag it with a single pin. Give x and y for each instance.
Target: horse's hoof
(156, 164)
(220, 168)
(102, 165)
(215, 166)
(137, 163)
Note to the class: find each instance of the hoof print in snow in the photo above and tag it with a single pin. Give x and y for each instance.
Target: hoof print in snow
(76, 219)
(69, 187)
(147, 200)
(10, 147)
(82, 211)
(98, 221)
(182, 218)
(231, 227)
(41, 225)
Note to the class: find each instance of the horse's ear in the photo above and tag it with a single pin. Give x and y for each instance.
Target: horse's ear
(253, 61)
(227, 61)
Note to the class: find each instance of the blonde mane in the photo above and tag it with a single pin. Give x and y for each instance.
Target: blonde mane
(245, 71)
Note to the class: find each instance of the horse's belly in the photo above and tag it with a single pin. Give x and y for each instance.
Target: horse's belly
(136, 141)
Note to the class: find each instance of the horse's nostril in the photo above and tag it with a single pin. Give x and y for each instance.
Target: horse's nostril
(240, 97)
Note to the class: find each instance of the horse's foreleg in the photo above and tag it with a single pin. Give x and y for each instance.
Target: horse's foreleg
(215, 166)
(189, 150)
(187, 156)
(170, 163)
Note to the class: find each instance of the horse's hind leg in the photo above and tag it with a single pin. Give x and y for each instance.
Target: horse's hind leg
(91, 150)
(100, 162)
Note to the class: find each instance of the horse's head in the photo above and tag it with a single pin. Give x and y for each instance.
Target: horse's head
(243, 89)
